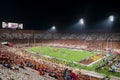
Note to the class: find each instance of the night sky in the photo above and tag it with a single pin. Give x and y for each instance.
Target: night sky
(43, 14)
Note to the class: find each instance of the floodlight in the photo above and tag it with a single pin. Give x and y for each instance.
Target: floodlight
(53, 28)
(111, 18)
(81, 21)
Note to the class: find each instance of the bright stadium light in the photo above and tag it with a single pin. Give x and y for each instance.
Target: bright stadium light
(111, 18)
(81, 21)
(53, 28)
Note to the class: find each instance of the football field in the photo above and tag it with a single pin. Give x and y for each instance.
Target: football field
(62, 53)
(71, 55)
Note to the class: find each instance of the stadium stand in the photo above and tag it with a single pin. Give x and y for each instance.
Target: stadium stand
(23, 65)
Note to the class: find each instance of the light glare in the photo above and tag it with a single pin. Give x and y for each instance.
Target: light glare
(111, 18)
(81, 21)
(53, 28)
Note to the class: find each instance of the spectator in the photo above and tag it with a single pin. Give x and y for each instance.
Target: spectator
(65, 73)
(72, 75)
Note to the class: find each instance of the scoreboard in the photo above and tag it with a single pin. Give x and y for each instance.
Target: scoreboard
(12, 25)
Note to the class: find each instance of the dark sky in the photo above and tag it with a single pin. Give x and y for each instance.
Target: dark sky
(42, 14)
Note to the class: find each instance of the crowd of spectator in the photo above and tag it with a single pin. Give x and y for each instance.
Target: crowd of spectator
(116, 66)
(77, 40)
(16, 67)
(21, 65)
(27, 34)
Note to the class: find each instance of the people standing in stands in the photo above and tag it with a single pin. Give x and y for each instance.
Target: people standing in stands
(65, 74)
(72, 75)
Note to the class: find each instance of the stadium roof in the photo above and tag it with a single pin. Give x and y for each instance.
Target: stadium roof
(35, 14)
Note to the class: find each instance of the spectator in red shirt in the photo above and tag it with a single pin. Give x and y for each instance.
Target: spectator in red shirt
(73, 75)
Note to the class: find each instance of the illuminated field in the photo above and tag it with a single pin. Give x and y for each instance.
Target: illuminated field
(74, 56)
(62, 53)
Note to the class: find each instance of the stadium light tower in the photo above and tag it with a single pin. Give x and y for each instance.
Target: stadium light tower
(53, 27)
(81, 21)
(111, 18)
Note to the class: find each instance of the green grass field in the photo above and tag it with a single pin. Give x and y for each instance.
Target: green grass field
(62, 53)
(70, 56)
